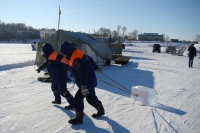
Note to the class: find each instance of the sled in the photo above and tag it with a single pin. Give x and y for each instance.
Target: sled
(45, 78)
(121, 60)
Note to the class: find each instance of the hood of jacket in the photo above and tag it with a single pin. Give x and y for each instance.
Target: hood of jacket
(47, 49)
(67, 49)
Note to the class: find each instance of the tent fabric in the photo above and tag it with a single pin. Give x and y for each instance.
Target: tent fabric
(116, 46)
(97, 49)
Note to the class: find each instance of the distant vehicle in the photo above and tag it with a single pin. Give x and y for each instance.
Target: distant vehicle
(170, 49)
(156, 48)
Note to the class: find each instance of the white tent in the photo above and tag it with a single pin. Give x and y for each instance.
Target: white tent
(95, 48)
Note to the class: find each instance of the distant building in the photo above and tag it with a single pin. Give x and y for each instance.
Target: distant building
(46, 33)
(28, 34)
(24, 33)
(174, 40)
(150, 37)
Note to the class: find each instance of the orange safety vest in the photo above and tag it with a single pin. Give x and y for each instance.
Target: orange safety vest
(54, 55)
(76, 54)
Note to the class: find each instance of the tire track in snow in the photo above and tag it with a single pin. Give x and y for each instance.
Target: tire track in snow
(16, 65)
(167, 123)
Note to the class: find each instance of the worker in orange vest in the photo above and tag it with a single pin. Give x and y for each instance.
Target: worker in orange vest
(57, 65)
(82, 69)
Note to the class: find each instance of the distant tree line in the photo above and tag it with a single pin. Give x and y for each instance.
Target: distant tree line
(120, 32)
(16, 31)
(10, 31)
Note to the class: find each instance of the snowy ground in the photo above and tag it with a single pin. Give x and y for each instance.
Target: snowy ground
(25, 103)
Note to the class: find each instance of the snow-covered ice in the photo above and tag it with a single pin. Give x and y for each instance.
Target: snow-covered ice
(25, 103)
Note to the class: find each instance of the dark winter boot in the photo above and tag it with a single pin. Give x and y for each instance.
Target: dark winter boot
(69, 107)
(100, 111)
(57, 97)
(56, 102)
(78, 119)
(70, 100)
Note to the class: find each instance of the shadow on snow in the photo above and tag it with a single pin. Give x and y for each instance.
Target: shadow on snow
(125, 75)
(89, 126)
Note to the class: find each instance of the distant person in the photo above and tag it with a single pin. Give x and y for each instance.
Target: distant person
(34, 46)
(192, 53)
(57, 65)
(82, 69)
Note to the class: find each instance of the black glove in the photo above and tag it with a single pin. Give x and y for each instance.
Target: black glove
(98, 70)
(84, 90)
(38, 70)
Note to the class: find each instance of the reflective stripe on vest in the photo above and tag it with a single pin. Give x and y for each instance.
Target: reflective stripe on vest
(65, 61)
(54, 55)
(76, 54)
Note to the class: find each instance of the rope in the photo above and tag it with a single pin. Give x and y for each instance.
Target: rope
(127, 90)
(115, 86)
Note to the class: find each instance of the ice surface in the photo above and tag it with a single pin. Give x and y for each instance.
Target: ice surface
(146, 96)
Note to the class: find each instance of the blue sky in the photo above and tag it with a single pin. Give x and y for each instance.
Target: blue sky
(179, 19)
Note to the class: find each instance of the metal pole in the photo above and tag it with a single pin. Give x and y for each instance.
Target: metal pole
(59, 17)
